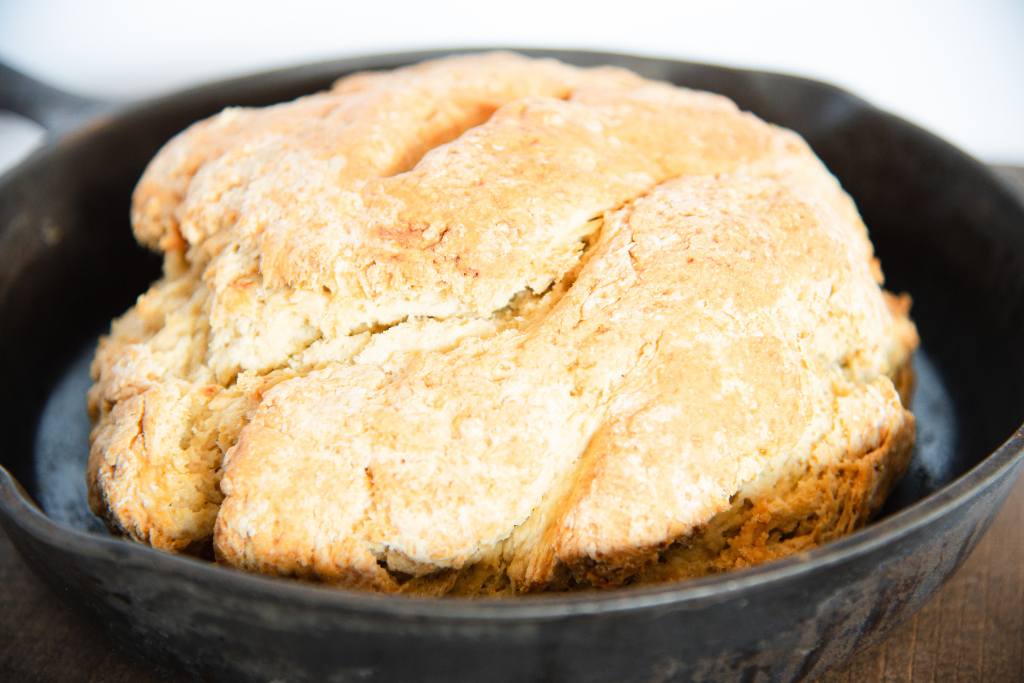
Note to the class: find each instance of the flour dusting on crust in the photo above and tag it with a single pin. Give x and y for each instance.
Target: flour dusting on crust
(491, 324)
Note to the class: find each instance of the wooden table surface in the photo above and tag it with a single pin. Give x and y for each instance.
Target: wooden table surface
(972, 630)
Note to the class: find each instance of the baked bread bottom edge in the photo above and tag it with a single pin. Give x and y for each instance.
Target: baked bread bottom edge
(815, 504)
(828, 501)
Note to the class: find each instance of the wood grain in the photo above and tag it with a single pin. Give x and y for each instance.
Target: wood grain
(972, 630)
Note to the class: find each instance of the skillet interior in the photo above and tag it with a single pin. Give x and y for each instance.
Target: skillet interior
(69, 264)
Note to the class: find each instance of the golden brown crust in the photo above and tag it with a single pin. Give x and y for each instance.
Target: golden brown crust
(823, 502)
(492, 324)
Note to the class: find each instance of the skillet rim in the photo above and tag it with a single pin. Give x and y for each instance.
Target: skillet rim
(18, 508)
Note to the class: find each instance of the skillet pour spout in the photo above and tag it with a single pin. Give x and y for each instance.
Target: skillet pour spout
(946, 229)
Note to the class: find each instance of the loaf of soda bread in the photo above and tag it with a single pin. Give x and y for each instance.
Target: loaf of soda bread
(493, 325)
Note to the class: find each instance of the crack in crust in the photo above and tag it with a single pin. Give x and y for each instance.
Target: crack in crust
(494, 325)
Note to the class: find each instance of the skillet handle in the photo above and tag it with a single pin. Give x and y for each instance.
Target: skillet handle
(55, 110)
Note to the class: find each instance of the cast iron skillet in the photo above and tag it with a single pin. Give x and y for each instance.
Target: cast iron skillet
(945, 229)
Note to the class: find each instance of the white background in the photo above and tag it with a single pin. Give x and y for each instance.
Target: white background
(955, 68)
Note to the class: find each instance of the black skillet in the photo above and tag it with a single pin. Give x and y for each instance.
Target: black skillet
(945, 229)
